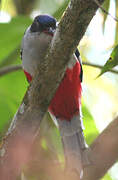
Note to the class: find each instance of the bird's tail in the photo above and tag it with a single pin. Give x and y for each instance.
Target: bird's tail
(75, 148)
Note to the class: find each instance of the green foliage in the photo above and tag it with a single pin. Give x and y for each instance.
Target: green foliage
(107, 177)
(11, 35)
(12, 89)
(90, 131)
(12, 86)
(112, 61)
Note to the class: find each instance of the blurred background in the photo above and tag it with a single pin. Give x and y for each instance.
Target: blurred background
(100, 97)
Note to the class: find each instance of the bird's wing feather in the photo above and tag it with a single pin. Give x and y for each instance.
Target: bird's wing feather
(80, 61)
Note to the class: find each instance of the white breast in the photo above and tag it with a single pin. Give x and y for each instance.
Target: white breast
(34, 46)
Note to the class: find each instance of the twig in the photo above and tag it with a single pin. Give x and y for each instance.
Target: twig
(11, 57)
(98, 66)
(99, 5)
(9, 69)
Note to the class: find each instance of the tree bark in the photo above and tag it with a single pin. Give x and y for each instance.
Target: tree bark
(17, 145)
(104, 152)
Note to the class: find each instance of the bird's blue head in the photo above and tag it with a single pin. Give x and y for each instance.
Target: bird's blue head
(43, 23)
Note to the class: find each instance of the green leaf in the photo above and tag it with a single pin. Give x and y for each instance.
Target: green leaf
(10, 38)
(112, 61)
(106, 6)
(11, 58)
(107, 177)
(90, 132)
(13, 85)
(12, 89)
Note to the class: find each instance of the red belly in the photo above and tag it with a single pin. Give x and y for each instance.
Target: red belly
(67, 100)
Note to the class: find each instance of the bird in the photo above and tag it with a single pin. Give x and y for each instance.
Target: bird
(65, 106)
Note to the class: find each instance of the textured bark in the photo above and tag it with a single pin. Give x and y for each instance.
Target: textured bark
(17, 144)
(104, 152)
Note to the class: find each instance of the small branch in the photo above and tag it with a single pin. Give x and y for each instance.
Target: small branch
(11, 57)
(9, 69)
(98, 66)
(99, 5)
